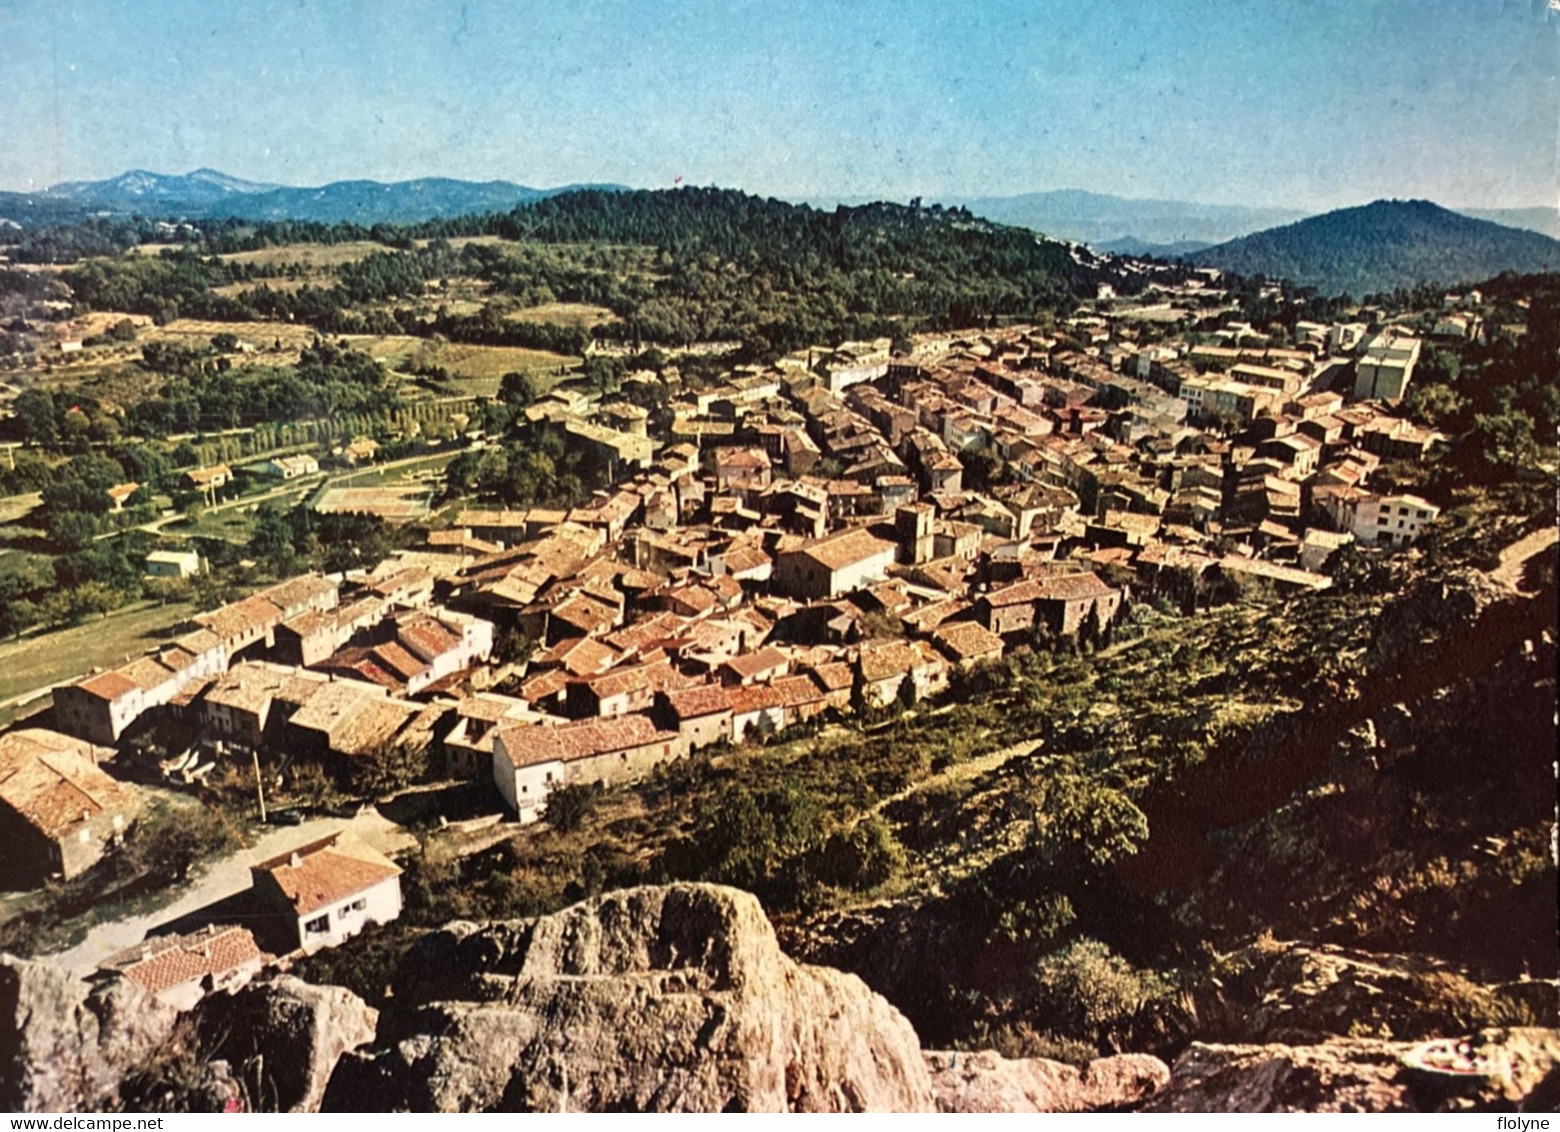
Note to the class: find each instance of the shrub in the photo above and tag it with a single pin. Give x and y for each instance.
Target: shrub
(864, 856)
(1092, 994)
(569, 806)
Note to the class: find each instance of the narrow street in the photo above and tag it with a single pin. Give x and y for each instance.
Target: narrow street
(221, 879)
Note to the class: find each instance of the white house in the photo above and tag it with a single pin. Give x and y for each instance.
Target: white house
(523, 779)
(289, 467)
(1386, 367)
(834, 565)
(1380, 520)
(172, 564)
(330, 889)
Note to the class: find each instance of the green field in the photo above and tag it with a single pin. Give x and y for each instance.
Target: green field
(54, 657)
(16, 507)
(312, 257)
(475, 370)
(563, 314)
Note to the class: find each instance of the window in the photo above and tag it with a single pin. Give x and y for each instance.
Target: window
(318, 926)
(1424, 514)
(357, 905)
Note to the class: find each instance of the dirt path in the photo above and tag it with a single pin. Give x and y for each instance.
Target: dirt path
(960, 772)
(1515, 557)
(218, 881)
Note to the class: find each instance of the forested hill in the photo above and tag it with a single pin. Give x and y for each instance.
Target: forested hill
(779, 275)
(795, 242)
(674, 266)
(1383, 246)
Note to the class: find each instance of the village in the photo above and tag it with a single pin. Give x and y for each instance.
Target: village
(847, 533)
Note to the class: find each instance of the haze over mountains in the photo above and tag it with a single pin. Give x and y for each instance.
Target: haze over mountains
(1102, 220)
(207, 193)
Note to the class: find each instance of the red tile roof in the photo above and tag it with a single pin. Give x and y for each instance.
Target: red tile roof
(108, 685)
(965, 639)
(164, 962)
(847, 548)
(693, 703)
(325, 872)
(532, 744)
(51, 781)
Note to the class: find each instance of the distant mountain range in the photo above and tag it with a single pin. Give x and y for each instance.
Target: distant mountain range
(1383, 246)
(1132, 246)
(1545, 220)
(1358, 250)
(1098, 219)
(208, 193)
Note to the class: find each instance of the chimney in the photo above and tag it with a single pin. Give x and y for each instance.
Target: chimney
(295, 861)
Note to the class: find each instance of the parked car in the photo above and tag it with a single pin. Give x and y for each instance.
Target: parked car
(285, 817)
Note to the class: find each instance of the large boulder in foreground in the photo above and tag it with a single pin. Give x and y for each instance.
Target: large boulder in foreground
(284, 1036)
(671, 999)
(65, 1043)
(1504, 1071)
(987, 1082)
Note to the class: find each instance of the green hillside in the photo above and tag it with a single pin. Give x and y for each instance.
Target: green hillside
(1383, 246)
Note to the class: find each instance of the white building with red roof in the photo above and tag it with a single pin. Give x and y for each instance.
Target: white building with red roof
(330, 889)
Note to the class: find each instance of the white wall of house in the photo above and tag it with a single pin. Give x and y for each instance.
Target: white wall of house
(752, 724)
(858, 574)
(339, 922)
(524, 788)
(1390, 521)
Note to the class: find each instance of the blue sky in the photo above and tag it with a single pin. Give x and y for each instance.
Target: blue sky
(1311, 105)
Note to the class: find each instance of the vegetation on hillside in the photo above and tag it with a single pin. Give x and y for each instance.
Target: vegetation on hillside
(1384, 246)
(674, 266)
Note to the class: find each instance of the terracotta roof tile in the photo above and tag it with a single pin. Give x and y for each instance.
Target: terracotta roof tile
(326, 872)
(164, 962)
(532, 744)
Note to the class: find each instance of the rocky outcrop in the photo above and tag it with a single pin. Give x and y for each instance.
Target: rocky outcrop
(1507, 1070)
(1298, 993)
(65, 1044)
(673, 998)
(1435, 611)
(283, 1036)
(986, 1082)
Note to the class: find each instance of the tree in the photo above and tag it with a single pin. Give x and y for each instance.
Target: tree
(513, 647)
(1086, 990)
(1502, 444)
(37, 417)
(864, 856)
(1084, 819)
(517, 389)
(272, 539)
(166, 846)
(1432, 405)
(568, 806)
(746, 837)
(389, 767)
(17, 614)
